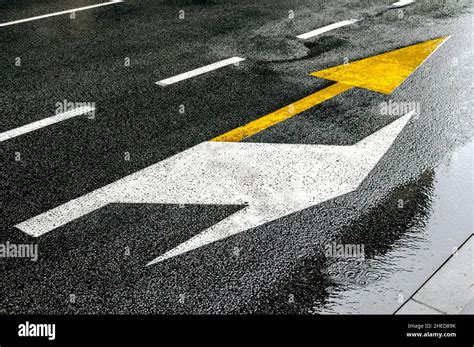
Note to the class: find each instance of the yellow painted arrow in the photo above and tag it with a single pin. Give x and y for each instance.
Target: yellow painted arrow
(382, 73)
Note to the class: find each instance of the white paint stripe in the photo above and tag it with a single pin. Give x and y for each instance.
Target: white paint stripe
(199, 71)
(270, 180)
(44, 122)
(402, 3)
(60, 13)
(327, 28)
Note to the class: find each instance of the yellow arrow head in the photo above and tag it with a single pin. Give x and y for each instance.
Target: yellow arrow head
(382, 73)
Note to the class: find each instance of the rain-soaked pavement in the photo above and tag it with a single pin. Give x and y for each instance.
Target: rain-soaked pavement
(410, 213)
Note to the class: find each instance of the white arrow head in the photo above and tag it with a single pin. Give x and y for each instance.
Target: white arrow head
(270, 180)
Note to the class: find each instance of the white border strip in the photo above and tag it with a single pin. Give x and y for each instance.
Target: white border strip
(60, 13)
(199, 71)
(44, 122)
(327, 28)
(402, 3)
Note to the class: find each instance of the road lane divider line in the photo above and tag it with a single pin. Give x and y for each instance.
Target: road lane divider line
(60, 13)
(262, 123)
(199, 71)
(7, 135)
(327, 28)
(381, 73)
(402, 3)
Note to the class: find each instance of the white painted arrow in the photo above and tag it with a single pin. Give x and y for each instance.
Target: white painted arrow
(269, 180)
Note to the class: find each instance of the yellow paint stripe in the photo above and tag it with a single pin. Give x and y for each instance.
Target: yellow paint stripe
(383, 73)
(282, 114)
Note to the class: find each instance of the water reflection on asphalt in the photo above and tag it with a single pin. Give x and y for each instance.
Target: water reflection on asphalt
(405, 241)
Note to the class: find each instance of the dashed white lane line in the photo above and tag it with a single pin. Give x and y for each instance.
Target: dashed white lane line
(199, 71)
(402, 3)
(326, 28)
(60, 13)
(44, 122)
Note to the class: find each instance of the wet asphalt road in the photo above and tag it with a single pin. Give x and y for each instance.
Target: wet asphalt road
(279, 267)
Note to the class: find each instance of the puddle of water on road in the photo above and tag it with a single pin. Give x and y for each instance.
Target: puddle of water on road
(404, 245)
(430, 238)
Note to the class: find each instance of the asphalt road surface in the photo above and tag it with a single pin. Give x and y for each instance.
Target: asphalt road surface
(410, 211)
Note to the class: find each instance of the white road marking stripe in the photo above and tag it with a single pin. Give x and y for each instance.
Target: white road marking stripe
(402, 3)
(44, 122)
(327, 28)
(60, 13)
(269, 180)
(199, 71)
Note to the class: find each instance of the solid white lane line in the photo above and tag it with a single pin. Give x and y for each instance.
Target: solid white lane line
(327, 28)
(60, 13)
(44, 122)
(199, 71)
(402, 3)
